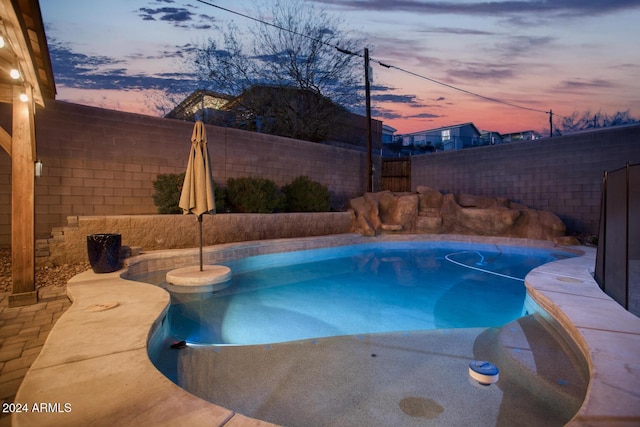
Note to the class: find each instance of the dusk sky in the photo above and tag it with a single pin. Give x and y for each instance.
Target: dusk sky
(564, 55)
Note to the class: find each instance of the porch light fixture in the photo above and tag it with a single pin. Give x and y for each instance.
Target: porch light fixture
(24, 97)
(1, 42)
(38, 167)
(14, 73)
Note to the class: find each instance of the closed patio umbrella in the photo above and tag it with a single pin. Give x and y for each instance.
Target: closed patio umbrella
(197, 195)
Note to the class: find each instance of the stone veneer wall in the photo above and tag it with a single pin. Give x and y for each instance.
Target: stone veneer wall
(104, 162)
(165, 260)
(561, 174)
(156, 232)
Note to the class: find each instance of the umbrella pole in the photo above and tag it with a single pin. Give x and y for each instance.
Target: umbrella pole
(200, 221)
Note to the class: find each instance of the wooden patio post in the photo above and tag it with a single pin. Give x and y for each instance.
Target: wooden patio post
(23, 147)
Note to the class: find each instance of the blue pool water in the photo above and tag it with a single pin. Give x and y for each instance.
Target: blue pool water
(359, 289)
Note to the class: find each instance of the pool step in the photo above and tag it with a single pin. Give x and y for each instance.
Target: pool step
(536, 355)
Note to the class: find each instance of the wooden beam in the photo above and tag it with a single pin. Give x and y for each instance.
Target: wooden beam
(23, 202)
(6, 93)
(5, 141)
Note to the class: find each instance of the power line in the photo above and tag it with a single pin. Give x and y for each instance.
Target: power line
(347, 52)
(463, 90)
(273, 25)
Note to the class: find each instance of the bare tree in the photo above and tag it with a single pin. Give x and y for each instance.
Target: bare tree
(588, 120)
(162, 101)
(296, 53)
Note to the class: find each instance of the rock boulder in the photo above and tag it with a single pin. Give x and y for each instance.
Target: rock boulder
(430, 211)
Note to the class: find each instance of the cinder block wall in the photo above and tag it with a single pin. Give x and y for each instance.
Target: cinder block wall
(561, 174)
(104, 162)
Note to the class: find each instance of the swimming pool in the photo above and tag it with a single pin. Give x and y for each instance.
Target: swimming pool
(359, 289)
(380, 378)
(412, 378)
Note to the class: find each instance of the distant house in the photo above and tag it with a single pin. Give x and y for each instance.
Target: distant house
(526, 135)
(283, 111)
(489, 137)
(445, 138)
(388, 134)
(286, 111)
(200, 105)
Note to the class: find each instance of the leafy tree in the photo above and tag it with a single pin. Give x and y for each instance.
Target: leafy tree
(288, 73)
(588, 120)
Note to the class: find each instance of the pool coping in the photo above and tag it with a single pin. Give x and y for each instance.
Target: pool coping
(95, 358)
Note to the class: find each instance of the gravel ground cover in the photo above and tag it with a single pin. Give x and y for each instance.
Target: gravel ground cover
(45, 276)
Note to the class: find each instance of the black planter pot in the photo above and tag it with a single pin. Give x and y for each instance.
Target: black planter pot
(104, 252)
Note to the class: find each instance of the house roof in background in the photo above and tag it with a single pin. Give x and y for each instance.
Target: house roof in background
(446, 128)
(194, 102)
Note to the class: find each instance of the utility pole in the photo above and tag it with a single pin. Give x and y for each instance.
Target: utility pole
(202, 106)
(550, 123)
(368, 107)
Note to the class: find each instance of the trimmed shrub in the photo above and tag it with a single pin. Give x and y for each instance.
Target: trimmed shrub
(220, 195)
(167, 192)
(253, 195)
(168, 187)
(306, 195)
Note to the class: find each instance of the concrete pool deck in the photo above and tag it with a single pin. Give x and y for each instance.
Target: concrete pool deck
(94, 368)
